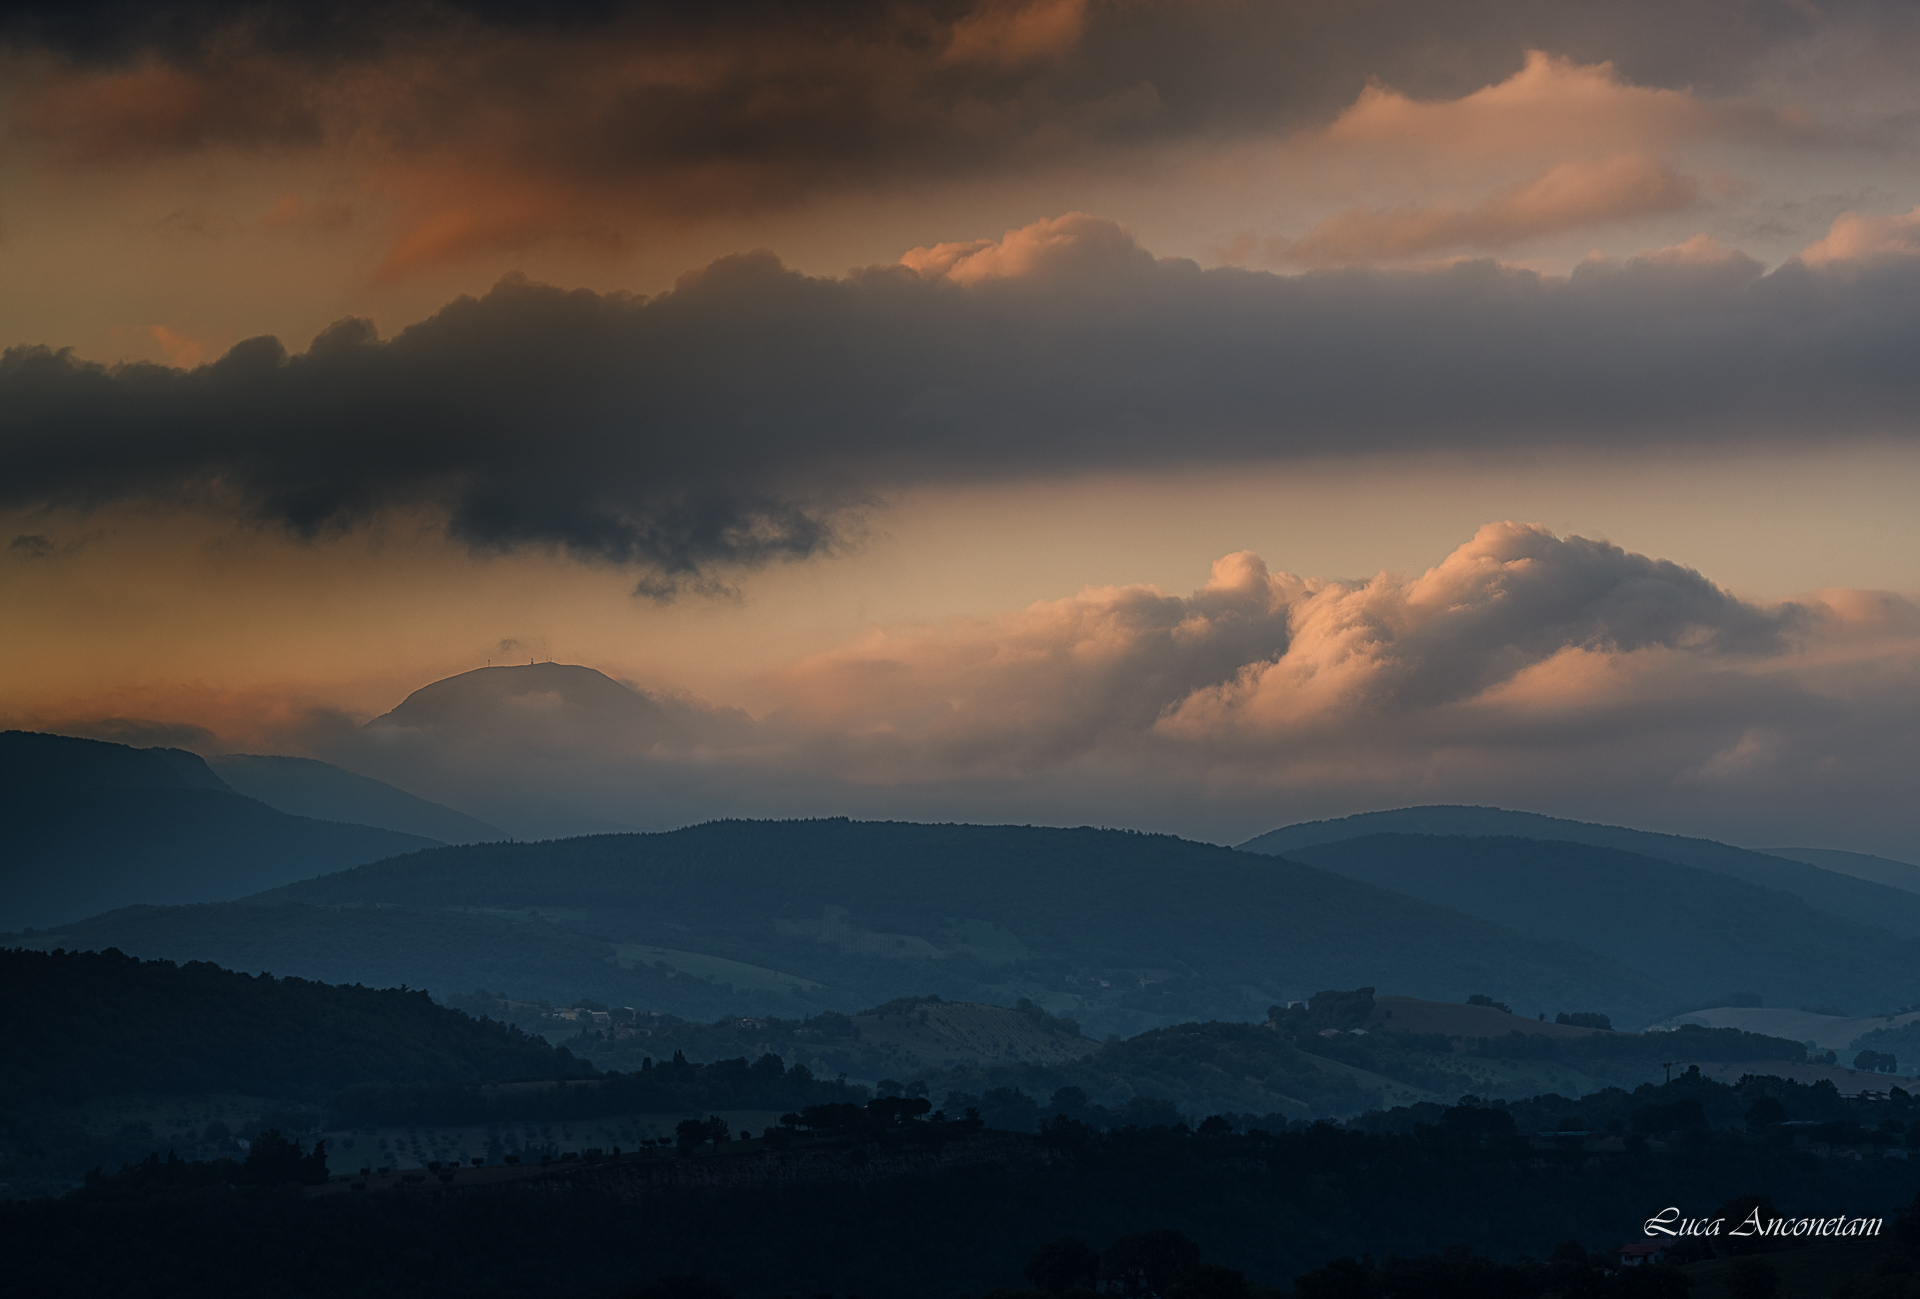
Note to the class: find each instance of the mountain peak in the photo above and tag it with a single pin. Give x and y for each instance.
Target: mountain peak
(530, 702)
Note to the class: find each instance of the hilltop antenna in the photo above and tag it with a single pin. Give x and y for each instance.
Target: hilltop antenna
(1668, 1066)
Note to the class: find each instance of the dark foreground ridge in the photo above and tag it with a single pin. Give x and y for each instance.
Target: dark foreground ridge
(884, 1200)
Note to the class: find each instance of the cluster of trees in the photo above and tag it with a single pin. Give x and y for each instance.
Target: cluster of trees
(271, 1160)
(676, 1084)
(1876, 1062)
(1584, 1019)
(1691, 1106)
(1901, 1042)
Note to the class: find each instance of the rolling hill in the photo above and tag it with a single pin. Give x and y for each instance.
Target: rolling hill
(1841, 1033)
(319, 790)
(1863, 901)
(91, 826)
(1860, 865)
(1121, 931)
(1704, 933)
(81, 1024)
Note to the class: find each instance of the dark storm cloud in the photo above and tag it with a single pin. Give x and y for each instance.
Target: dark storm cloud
(740, 417)
(752, 102)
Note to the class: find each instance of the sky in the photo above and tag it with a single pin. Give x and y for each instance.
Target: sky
(1195, 415)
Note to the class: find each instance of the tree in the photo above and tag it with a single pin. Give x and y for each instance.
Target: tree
(1148, 1262)
(1876, 1062)
(716, 1129)
(1210, 1281)
(1343, 1278)
(1071, 1101)
(313, 1168)
(1584, 1019)
(1063, 1265)
(898, 1109)
(1683, 1115)
(273, 1160)
(688, 1134)
(1764, 1113)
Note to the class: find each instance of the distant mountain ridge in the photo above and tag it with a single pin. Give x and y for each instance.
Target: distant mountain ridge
(1695, 930)
(90, 826)
(1120, 931)
(1862, 901)
(311, 788)
(1860, 865)
(35, 761)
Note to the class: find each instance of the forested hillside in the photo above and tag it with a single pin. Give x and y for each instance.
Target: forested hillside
(1698, 931)
(1120, 931)
(81, 1024)
(1862, 900)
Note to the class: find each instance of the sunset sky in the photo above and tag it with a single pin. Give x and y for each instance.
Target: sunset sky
(1195, 415)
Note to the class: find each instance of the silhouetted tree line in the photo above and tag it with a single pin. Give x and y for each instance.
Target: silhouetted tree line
(1268, 1204)
(1691, 1105)
(271, 1160)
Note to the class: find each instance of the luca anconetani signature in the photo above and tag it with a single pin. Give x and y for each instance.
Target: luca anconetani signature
(1668, 1222)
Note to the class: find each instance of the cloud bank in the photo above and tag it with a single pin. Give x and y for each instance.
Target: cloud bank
(502, 125)
(1557, 674)
(1525, 669)
(746, 415)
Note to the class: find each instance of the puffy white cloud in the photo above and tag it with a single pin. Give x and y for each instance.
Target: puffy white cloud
(1525, 669)
(1256, 660)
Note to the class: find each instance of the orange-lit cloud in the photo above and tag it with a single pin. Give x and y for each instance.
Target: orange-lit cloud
(1053, 246)
(1257, 659)
(126, 114)
(1854, 237)
(1553, 105)
(1012, 32)
(1569, 196)
(484, 128)
(177, 348)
